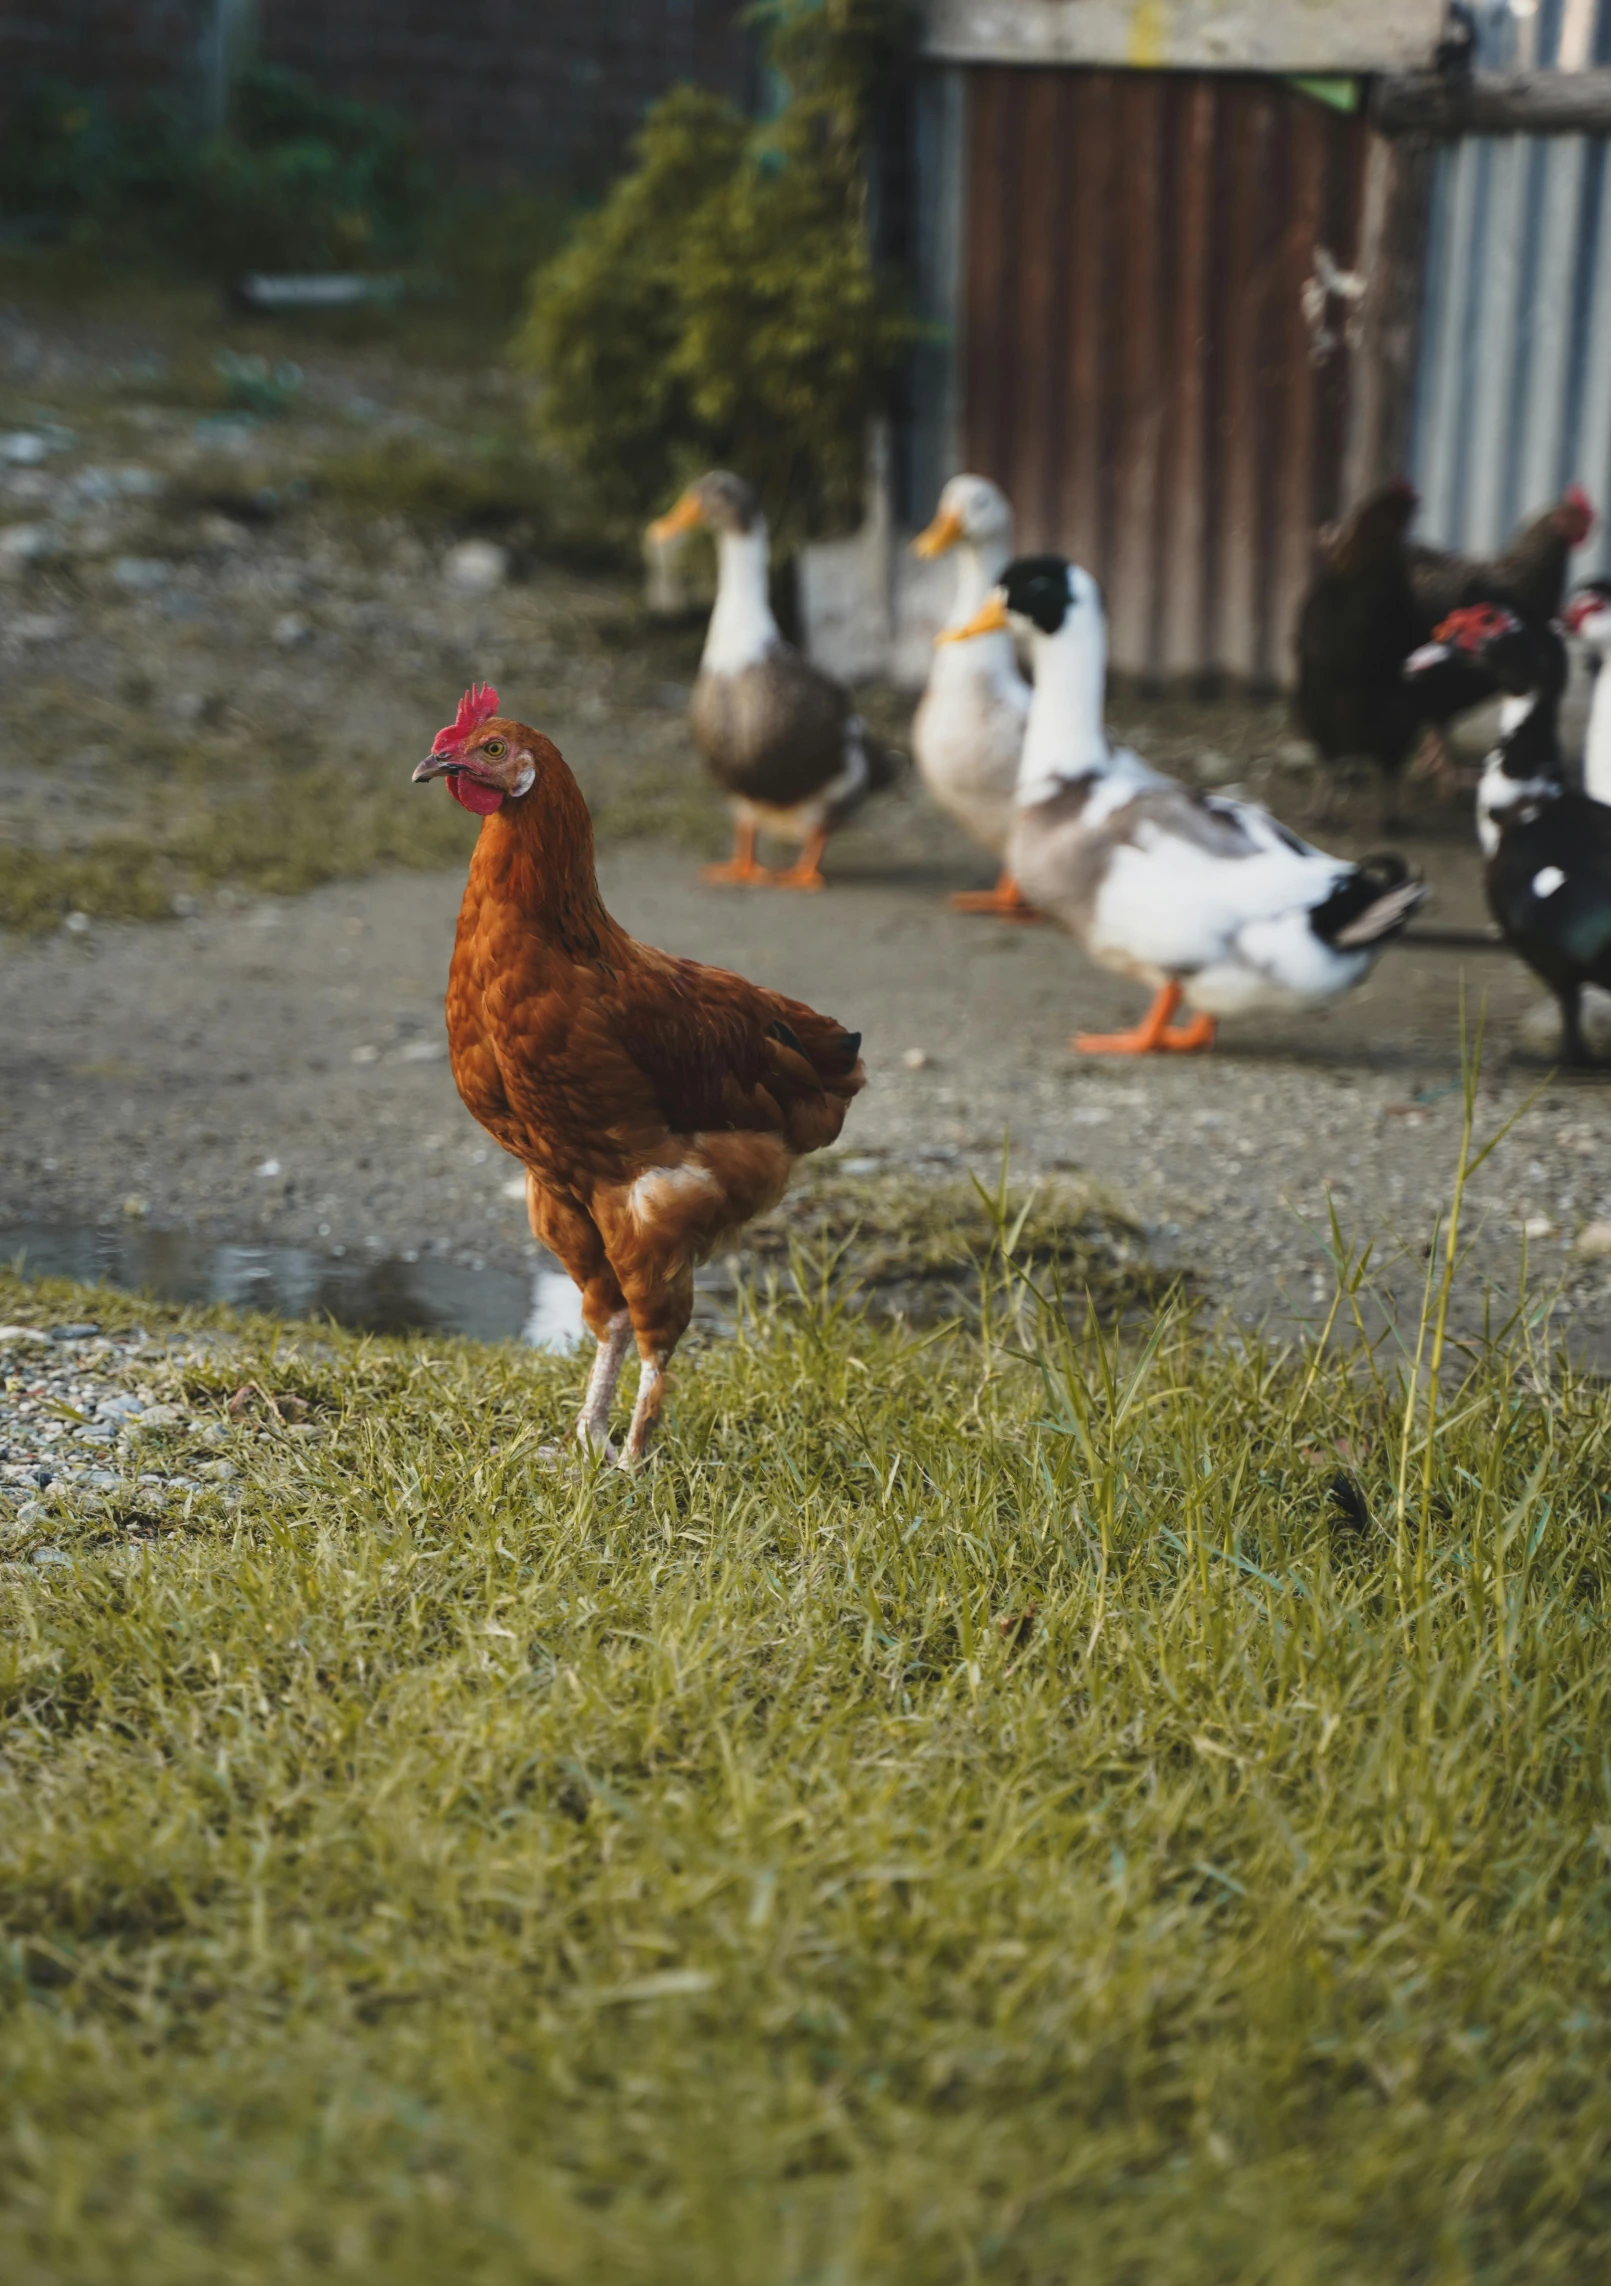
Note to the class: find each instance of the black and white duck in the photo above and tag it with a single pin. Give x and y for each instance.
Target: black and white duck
(780, 738)
(968, 731)
(1546, 847)
(1209, 900)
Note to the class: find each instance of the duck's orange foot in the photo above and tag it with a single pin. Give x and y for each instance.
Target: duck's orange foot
(1153, 1033)
(1006, 902)
(806, 873)
(741, 872)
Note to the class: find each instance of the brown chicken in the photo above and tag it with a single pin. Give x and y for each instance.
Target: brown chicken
(655, 1104)
(1529, 575)
(1375, 599)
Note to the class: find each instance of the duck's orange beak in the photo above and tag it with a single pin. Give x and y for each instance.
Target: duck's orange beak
(943, 533)
(682, 518)
(989, 619)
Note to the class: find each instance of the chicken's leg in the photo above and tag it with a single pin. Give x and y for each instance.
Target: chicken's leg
(743, 866)
(1006, 901)
(1152, 1032)
(806, 872)
(593, 1422)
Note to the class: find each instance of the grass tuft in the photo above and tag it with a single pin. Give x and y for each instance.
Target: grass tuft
(983, 1806)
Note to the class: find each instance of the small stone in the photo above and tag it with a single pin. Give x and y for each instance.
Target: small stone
(22, 544)
(187, 906)
(78, 924)
(1215, 768)
(23, 1333)
(366, 1055)
(515, 1189)
(48, 1555)
(135, 1207)
(141, 575)
(1594, 1241)
(41, 626)
(291, 630)
(75, 1330)
(23, 448)
(421, 1052)
(1538, 1226)
(915, 1059)
(268, 1169)
(476, 567)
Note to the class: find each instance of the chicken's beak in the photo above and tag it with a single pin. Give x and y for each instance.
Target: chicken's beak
(989, 619)
(943, 533)
(433, 766)
(687, 513)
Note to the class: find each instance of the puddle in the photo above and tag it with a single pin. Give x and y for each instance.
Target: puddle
(385, 1295)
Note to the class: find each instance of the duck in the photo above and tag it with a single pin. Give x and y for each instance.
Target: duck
(780, 737)
(1588, 616)
(1546, 847)
(968, 731)
(1206, 898)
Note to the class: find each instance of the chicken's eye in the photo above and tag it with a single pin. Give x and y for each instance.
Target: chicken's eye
(493, 748)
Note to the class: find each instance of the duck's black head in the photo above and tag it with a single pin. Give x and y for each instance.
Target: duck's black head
(1520, 658)
(1045, 589)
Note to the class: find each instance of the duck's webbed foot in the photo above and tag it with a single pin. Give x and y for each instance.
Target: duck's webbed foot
(1153, 1033)
(806, 873)
(743, 868)
(1006, 902)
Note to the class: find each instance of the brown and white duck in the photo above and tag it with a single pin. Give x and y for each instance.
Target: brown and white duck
(781, 738)
(968, 731)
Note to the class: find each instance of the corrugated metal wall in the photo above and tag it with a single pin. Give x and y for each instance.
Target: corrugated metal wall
(1513, 395)
(1136, 364)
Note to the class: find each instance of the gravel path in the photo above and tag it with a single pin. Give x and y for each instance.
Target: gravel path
(280, 1074)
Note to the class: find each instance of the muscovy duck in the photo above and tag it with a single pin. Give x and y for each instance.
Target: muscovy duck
(1547, 848)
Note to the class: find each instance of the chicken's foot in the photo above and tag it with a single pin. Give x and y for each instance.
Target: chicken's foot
(743, 867)
(1153, 1031)
(1006, 901)
(806, 872)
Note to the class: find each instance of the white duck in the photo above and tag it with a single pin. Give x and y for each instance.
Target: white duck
(1207, 899)
(969, 727)
(1588, 615)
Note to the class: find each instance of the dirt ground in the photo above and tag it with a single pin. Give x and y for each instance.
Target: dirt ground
(271, 1065)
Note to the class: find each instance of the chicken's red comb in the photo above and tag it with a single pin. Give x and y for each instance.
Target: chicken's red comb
(478, 705)
(1579, 510)
(1473, 625)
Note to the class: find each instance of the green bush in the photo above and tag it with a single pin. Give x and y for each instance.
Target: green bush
(724, 305)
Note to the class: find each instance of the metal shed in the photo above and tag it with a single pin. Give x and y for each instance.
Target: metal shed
(1144, 232)
(1513, 392)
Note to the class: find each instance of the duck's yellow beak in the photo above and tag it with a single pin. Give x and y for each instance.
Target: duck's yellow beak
(682, 518)
(943, 533)
(989, 619)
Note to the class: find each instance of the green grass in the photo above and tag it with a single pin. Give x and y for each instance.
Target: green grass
(975, 1809)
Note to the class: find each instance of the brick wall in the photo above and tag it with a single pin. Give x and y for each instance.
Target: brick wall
(508, 88)
(513, 87)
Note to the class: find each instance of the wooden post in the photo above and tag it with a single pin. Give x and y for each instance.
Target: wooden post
(1392, 255)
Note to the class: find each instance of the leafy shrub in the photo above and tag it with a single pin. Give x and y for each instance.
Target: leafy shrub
(725, 305)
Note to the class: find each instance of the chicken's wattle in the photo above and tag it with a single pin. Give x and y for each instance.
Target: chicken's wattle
(473, 794)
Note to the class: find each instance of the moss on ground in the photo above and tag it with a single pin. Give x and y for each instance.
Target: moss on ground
(975, 1809)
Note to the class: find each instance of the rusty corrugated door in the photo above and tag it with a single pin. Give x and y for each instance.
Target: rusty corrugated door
(1138, 366)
